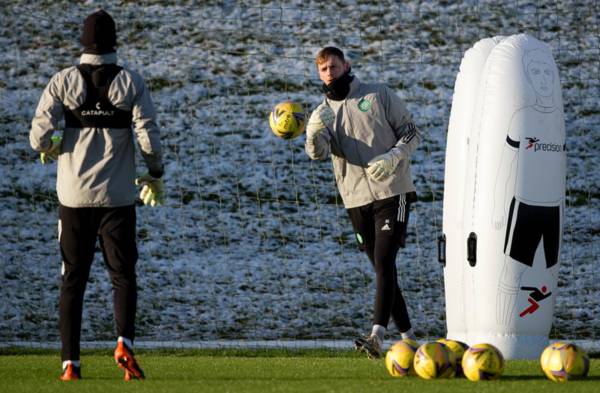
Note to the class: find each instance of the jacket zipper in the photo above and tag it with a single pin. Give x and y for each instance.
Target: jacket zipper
(356, 148)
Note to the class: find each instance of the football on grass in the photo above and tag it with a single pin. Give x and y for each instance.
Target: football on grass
(399, 358)
(562, 362)
(482, 362)
(434, 360)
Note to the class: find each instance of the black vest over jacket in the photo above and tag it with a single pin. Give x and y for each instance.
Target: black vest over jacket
(97, 111)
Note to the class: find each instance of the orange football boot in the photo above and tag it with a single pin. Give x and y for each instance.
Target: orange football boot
(71, 373)
(125, 359)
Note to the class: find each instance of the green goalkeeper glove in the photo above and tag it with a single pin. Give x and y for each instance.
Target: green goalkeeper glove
(52, 154)
(152, 189)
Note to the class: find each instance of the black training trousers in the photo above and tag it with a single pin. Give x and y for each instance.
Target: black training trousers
(380, 229)
(79, 229)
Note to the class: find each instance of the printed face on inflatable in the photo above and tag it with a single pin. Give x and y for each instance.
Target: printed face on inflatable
(540, 72)
(542, 77)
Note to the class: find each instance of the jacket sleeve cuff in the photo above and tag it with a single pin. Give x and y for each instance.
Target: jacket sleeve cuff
(157, 173)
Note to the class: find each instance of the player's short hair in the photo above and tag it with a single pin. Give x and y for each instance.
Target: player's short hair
(328, 51)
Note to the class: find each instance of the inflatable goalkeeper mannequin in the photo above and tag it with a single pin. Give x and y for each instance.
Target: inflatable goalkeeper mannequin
(504, 196)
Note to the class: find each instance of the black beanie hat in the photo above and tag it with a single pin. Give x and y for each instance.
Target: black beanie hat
(99, 36)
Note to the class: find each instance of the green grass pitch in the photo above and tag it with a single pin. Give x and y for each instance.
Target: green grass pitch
(259, 371)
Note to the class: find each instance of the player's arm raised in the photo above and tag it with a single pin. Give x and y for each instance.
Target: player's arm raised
(318, 137)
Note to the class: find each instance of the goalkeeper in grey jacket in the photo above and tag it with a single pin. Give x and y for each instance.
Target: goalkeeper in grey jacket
(370, 136)
(103, 107)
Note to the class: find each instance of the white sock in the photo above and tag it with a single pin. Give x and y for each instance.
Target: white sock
(75, 363)
(378, 331)
(409, 334)
(125, 341)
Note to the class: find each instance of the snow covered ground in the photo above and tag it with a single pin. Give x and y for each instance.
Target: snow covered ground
(254, 242)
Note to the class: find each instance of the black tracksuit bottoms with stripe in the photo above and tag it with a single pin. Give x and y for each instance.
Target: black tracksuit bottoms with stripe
(115, 231)
(380, 229)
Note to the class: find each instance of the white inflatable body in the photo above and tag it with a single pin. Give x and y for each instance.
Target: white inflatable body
(459, 130)
(512, 187)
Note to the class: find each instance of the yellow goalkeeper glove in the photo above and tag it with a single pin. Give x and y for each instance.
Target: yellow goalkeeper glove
(52, 154)
(153, 189)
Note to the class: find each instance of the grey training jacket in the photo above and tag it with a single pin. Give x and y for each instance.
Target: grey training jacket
(369, 122)
(96, 166)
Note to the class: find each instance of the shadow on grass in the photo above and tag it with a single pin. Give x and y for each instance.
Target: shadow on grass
(178, 352)
(522, 377)
(541, 377)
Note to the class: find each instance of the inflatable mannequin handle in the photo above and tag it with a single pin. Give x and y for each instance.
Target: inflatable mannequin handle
(442, 250)
(472, 249)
